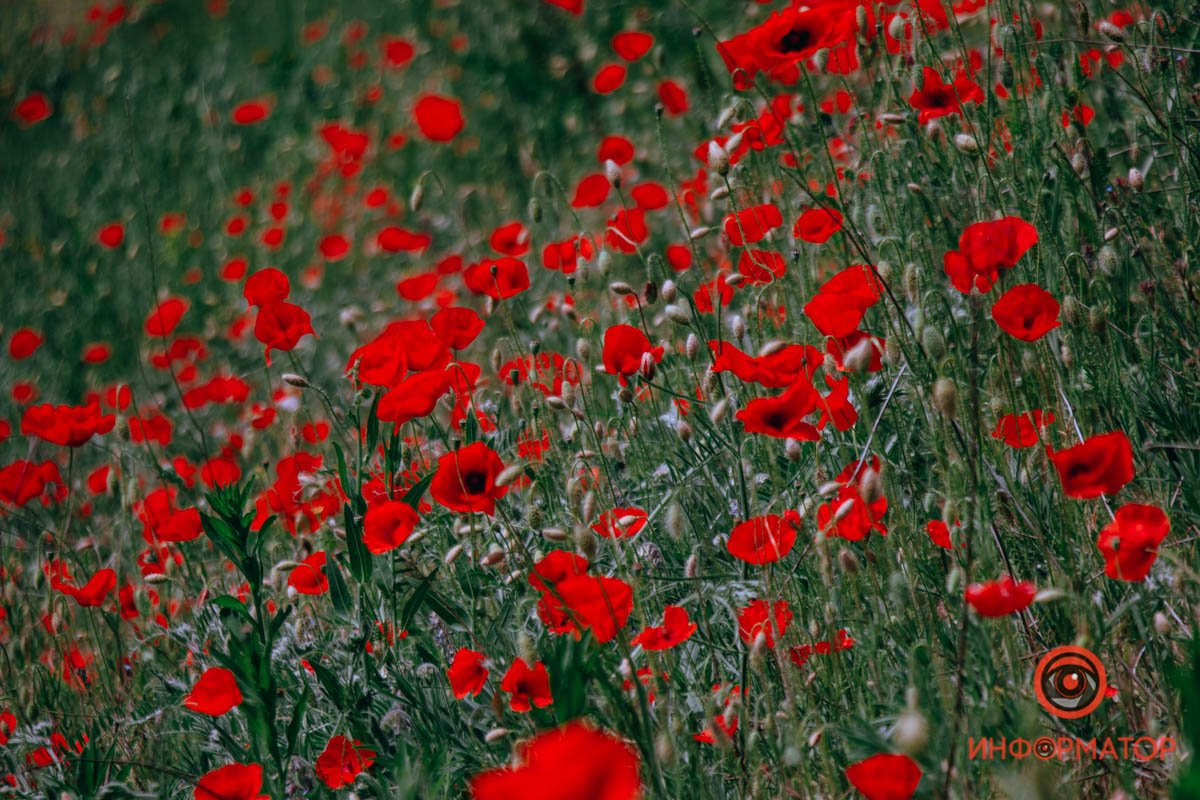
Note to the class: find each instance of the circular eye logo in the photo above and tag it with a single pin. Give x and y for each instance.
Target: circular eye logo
(1070, 682)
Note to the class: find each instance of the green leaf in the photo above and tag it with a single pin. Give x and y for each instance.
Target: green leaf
(413, 604)
(413, 496)
(339, 592)
(230, 603)
(330, 683)
(293, 728)
(360, 558)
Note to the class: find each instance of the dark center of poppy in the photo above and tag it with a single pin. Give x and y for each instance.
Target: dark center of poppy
(795, 40)
(475, 482)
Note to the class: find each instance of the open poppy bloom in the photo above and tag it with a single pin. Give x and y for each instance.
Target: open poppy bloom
(783, 416)
(92, 593)
(1130, 542)
(309, 576)
(587, 602)
(776, 370)
(752, 224)
(1026, 312)
(341, 761)
(466, 479)
(232, 782)
(816, 225)
(620, 523)
(529, 686)
(388, 524)
(1022, 430)
(439, 118)
(839, 305)
(1001, 597)
(467, 674)
(625, 348)
(68, 426)
(1099, 465)
(885, 776)
(676, 629)
(574, 762)
(936, 98)
(984, 249)
(763, 540)
(215, 693)
(757, 618)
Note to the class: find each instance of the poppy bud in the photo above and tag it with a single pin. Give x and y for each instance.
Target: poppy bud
(718, 158)
(965, 143)
(860, 19)
(554, 534)
(738, 326)
(684, 430)
(892, 349)
(650, 292)
(674, 520)
(535, 209)
(1108, 260)
(350, 316)
(647, 367)
(1079, 163)
(299, 381)
(820, 59)
(870, 485)
(625, 395)
(717, 413)
(493, 558)
(911, 278)
(157, 578)
(453, 553)
(945, 397)
(509, 474)
(1068, 358)
(735, 280)
(911, 733)
(669, 291)
(612, 171)
(692, 346)
(621, 288)
(719, 193)
(915, 188)
(585, 542)
(848, 562)
(699, 233)
(1110, 31)
(934, 343)
(1161, 623)
(859, 357)
(792, 450)
(691, 567)
(583, 349)
(587, 508)
(603, 262)
(896, 27)
(417, 196)
(497, 359)
(1136, 179)
(1070, 310)
(495, 734)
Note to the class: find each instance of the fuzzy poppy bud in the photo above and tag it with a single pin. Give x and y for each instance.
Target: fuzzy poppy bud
(417, 196)
(674, 520)
(718, 159)
(965, 143)
(1108, 261)
(934, 343)
(650, 292)
(535, 209)
(792, 450)
(647, 367)
(692, 346)
(896, 27)
(848, 562)
(1111, 31)
(299, 381)
(1136, 179)
(669, 291)
(621, 288)
(699, 233)
(684, 430)
(945, 397)
(612, 171)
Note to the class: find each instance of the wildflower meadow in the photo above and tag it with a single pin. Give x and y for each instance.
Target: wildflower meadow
(599, 399)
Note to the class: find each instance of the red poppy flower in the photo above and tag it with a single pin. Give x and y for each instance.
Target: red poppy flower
(32, 109)
(466, 479)
(783, 416)
(334, 247)
(632, 45)
(885, 776)
(22, 481)
(111, 235)
(1022, 430)
(626, 230)
(673, 97)
(617, 149)
(609, 78)
(761, 266)
(215, 693)
(625, 347)
(838, 307)
(96, 353)
(676, 629)
(936, 98)
(574, 6)
(529, 687)
(414, 397)
(68, 426)
(763, 540)
(24, 343)
(554, 567)
(232, 782)
(586, 602)
(591, 191)
(498, 278)
(1001, 597)
(620, 523)
(281, 326)
(751, 225)
(394, 239)
(778, 369)
(788, 37)
(166, 316)
(456, 327)
(388, 524)
(848, 515)
(467, 673)
(309, 576)
(1100, 465)
(251, 112)
(510, 239)
(574, 762)
(341, 761)
(1130, 542)
(439, 118)
(939, 533)
(816, 225)
(92, 593)
(756, 618)
(984, 249)
(1027, 312)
